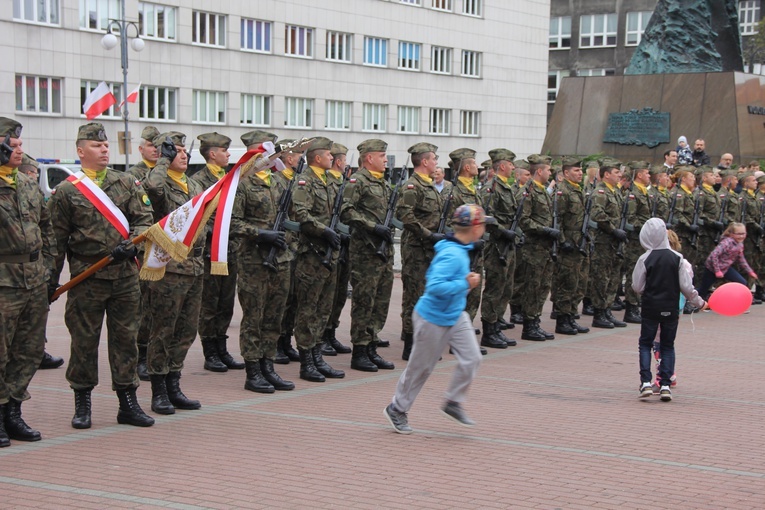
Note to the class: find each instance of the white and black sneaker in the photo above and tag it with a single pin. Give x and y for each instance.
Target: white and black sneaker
(665, 394)
(455, 412)
(398, 420)
(646, 390)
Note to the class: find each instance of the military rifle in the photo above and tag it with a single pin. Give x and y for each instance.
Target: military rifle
(762, 219)
(723, 207)
(382, 250)
(282, 214)
(623, 219)
(743, 210)
(672, 207)
(448, 202)
(516, 219)
(695, 222)
(555, 224)
(334, 220)
(586, 224)
(655, 203)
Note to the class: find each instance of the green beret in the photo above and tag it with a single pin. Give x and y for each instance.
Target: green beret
(639, 165)
(571, 161)
(761, 179)
(458, 155)
(92, 131)
(149, 133)
(728, 173)
(214, 140)
(685, 168)
(539, 159)
(658, 169)
(338, 149)
(521, 163)
(704, 169)
(258, 136)
(422, 148)
(501, 155)
(175, 136)
(487, 164)
(372, 145)
(29, 160)
(10, 127)
(610, 163)
(319, 143)
(743, 176)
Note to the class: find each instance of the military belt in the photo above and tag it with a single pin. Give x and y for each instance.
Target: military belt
(20, 259)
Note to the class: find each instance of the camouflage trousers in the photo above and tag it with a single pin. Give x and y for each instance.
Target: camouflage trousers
(415, 261)
(23, 314)
(372, 281)
(605, 275)
(314, 288)
(569, 281)
(632, 252)
(754, 257)
(537, 267)
(84, 316)
(706, 244)
(691, 254)
(341, 293)
(519, 278)
(175, 300)
(498, 283)
(218, 304)
(263, 295)
(288, 319)
(474, 296)
(144, 328)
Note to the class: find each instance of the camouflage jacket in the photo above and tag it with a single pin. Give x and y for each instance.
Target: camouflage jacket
(732, 203)
(537, 214)
(167, 196)
(25, 230)
(365, 204)
(709, 210)
(571, 202)
(84, 235)
(312, 201)
(638, 210)
(419, 208)
(140, 170)
(684, 206)
(606, 212)
(662, 201)
(282, 181)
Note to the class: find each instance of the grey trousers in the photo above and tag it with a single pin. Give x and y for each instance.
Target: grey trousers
(429, 343)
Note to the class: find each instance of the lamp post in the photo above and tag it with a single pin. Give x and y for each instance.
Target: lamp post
(109, 41)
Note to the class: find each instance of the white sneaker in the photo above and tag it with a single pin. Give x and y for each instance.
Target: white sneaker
(665, 394)
(646, 390)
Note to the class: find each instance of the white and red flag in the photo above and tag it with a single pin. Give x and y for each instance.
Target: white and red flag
(98, 101)
(132, 97)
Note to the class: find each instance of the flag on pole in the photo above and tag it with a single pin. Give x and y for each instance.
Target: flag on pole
(132, 97)
(98, 101)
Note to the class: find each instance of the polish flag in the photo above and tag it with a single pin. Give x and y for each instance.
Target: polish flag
(132, 97)
(98, 101)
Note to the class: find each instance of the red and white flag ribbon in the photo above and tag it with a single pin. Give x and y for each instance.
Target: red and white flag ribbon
(132, 97)
(101, 201)
(98, 101)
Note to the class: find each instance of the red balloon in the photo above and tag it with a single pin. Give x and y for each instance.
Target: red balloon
(730, 299)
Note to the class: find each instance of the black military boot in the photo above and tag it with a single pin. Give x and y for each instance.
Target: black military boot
(632, 315)
(335, 343)
(503, 324)
(15, 426)
(579, 328)
(379, 342)
(538, 325)
(326, 347)
(377, 359)
(498, 331)
(516, 314)
(141, 368)
(360, 359)
(255, 380)
(554, 314)
(130, 412)
(408, 339)
(323, 367)
(225, 356)
(290, 351)
(599, 320)
(49, 361)
(587, 308)
(308, 370)
(177, 398)
(531, 332)
(280, 358)
(4, 439)
(490, 336)
(563, 325)
(160, 402)
(267, 369)
(617, 305)
(616, 322)
(759, 292)
(81, 419)
(212, 359)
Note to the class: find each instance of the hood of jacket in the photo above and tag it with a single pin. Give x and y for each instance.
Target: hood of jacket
(653, 235)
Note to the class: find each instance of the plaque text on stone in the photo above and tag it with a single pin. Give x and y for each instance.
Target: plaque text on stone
(638, 127)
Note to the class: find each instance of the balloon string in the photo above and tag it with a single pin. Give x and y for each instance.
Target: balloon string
(693, 324)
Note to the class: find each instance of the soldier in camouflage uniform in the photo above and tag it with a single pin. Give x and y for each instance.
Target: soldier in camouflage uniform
(749, 216)
(219, 291)
(27, 252)
(522, 177)
(419, 209)
(574, 251)
(709, 218)
(176, 298)
(730, 201)
(85, 236)
(605, 266)
(499, 252)
(682, 216)
(590, 182)
(365, 205)
(262, 290)
(149, 154)
(330, 344)
(760, 238)
(662, 197)
(315, 283)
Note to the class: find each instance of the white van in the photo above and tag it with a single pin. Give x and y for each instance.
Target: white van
(53, 171)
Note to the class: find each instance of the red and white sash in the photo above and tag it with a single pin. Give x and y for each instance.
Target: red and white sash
(101, 201)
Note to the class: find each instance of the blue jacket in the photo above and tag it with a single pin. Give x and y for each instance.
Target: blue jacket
(446, 286)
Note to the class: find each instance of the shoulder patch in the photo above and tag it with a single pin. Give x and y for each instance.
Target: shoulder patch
(301, 183)
(679, 195)
(560, 193)
(352, 180)
(631, 196)
(722, 196)
(410, 186)
(137, 182)
(601, 191)
(145, 199)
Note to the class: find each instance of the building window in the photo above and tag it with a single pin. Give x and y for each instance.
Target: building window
(636, 23)
(595, 72)
(208, 29)
(553, 84)
(471, 63)
(376, 51)
(409, 119)
(597, 31)
(560, 32)
(338, 115)
(748, 16)
(86, 87)
(208, 107)
(411, 2)
(36, 11)
(469, 123)
(96, 15)
(157, 103)
(374, 117)
(440, 60)
(339, 46)
(255, 110)
(439, 121)
(442, 5)
(38, 94)
(472, 7)
(156, 21)
(297, 112)
(298, 41)
(255, 35)
(409, 56)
